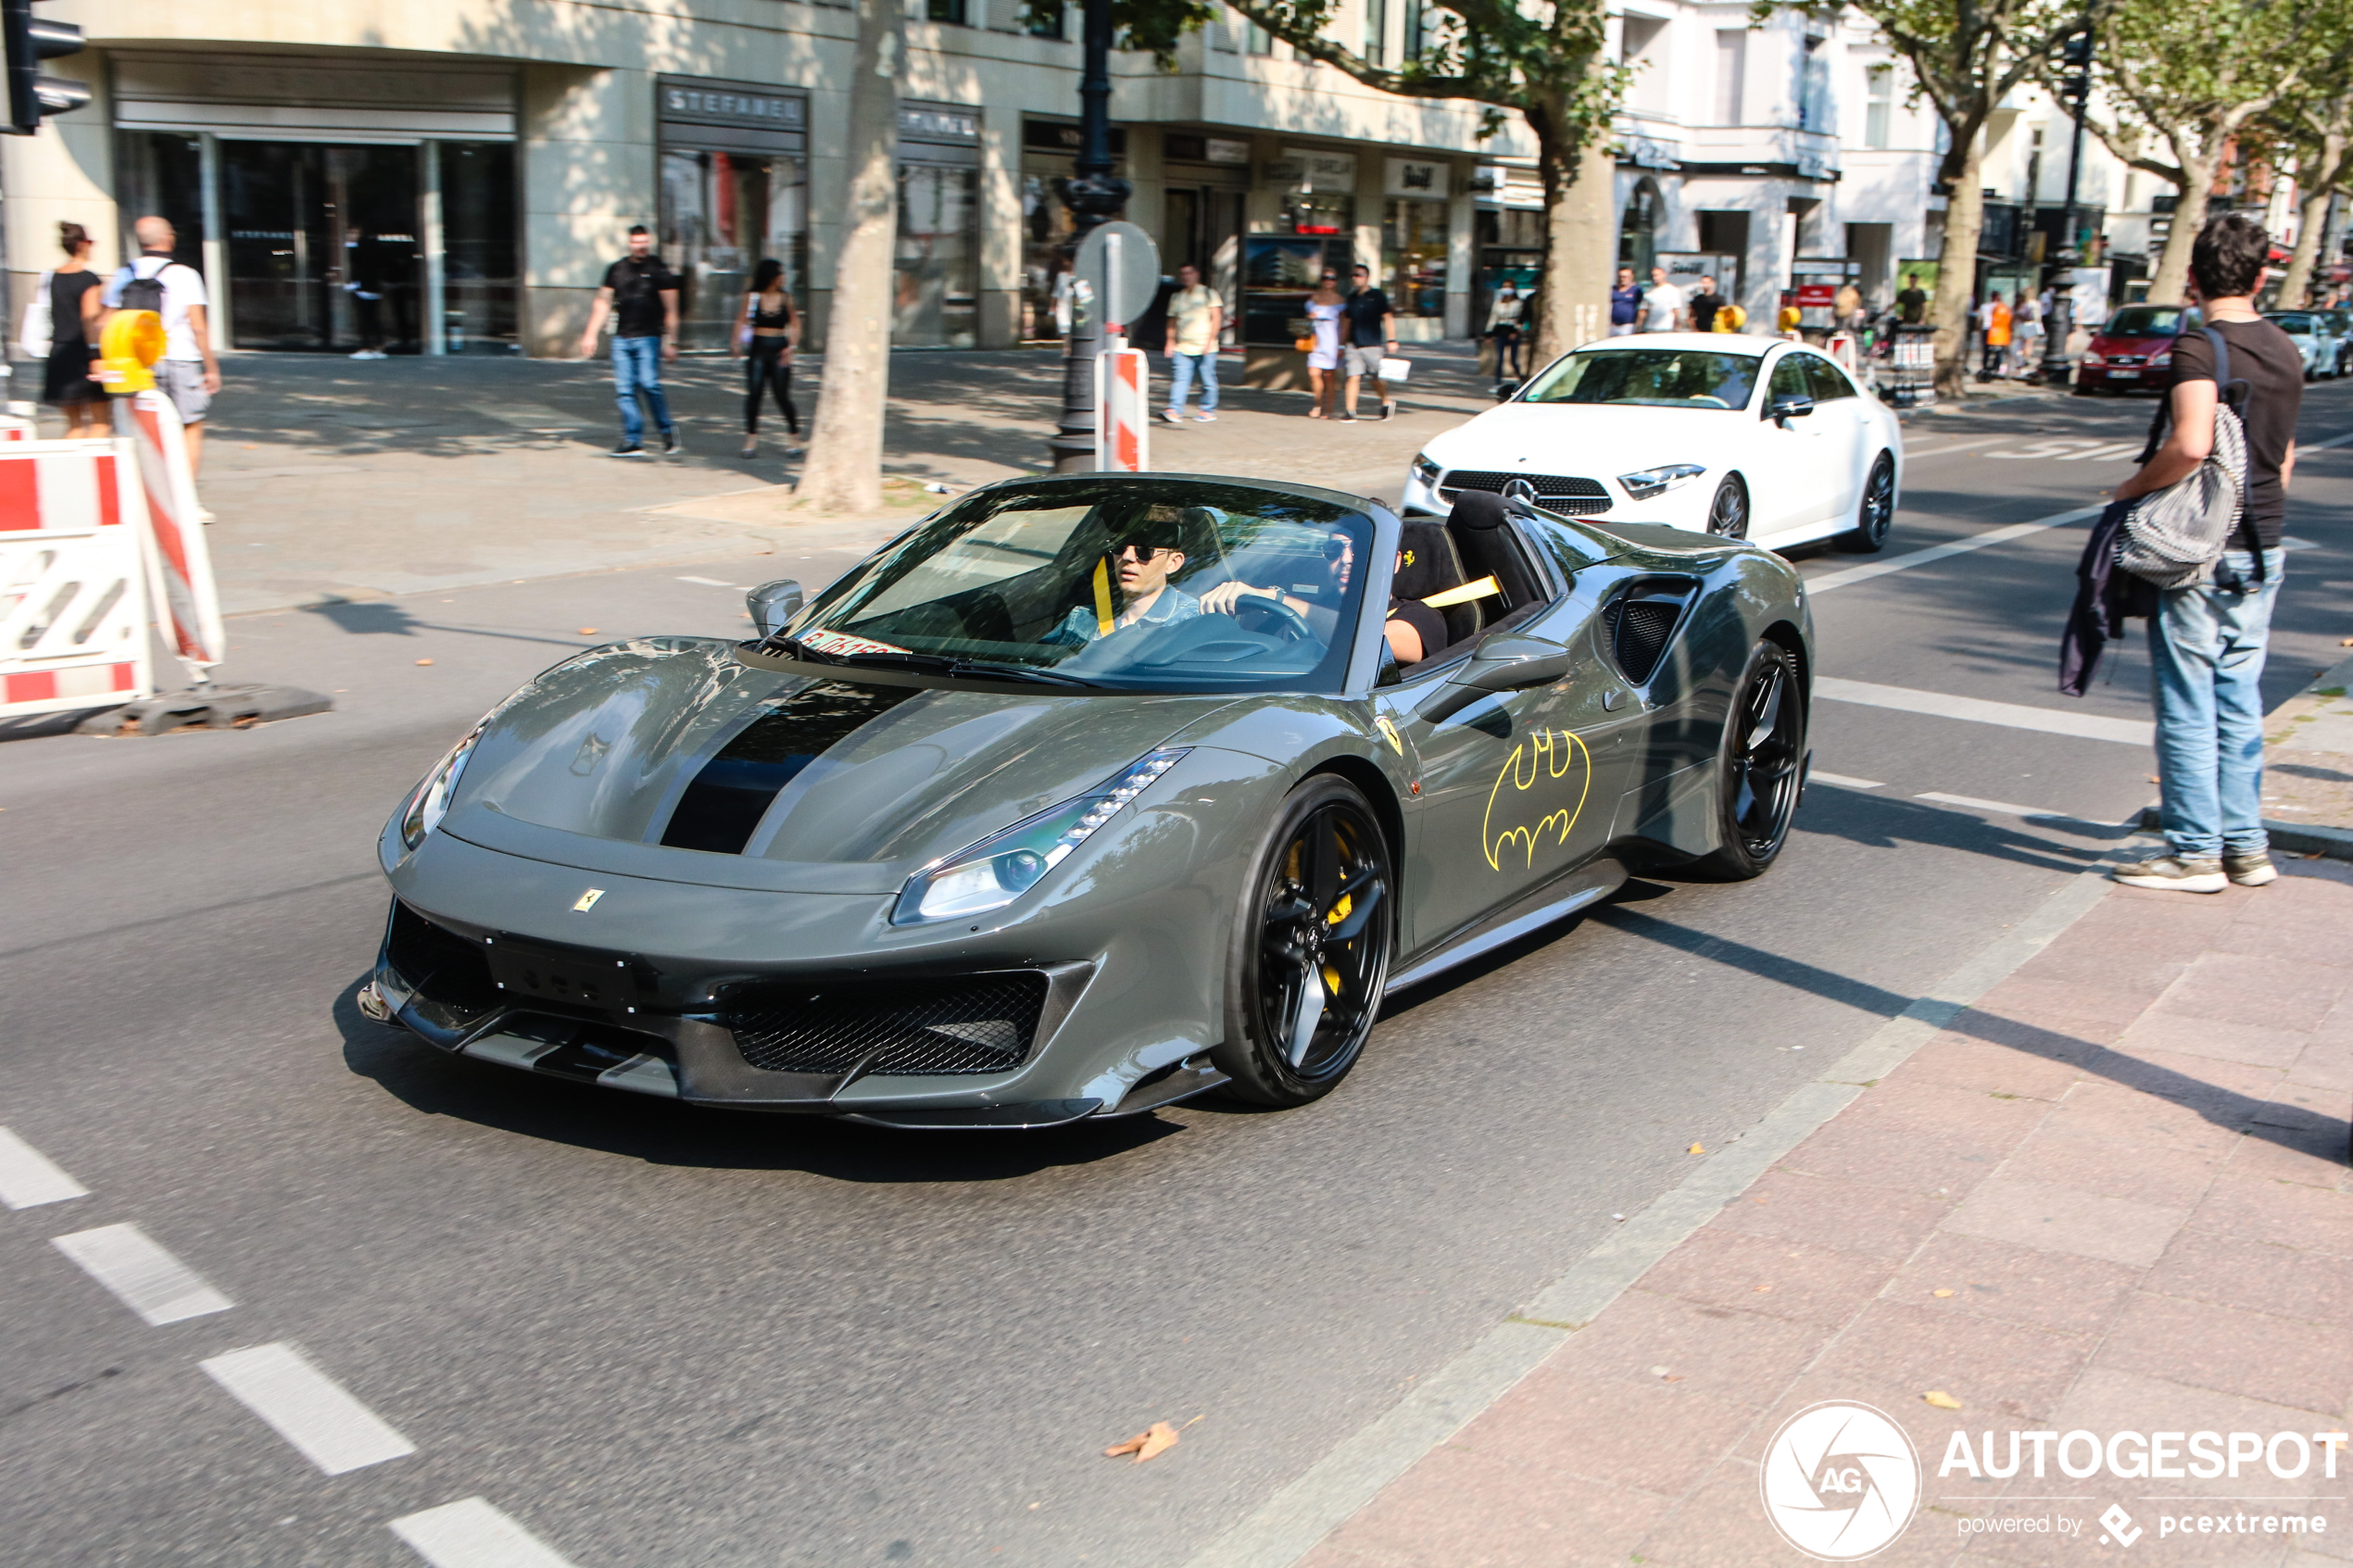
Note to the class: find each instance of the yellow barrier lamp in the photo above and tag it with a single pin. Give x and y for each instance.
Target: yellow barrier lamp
(129, 345)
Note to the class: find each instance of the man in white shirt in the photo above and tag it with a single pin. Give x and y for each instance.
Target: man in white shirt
(187, 373)
(1195, 316)
(1662, 305)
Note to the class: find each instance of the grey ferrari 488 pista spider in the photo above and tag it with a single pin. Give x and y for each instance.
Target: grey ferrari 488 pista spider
(1088, 794)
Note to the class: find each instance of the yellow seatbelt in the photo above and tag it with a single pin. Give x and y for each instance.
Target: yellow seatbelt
(1103, 597)
(1485, 587)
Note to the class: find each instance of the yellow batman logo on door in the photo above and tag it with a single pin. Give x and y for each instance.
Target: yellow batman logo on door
(1537, 797)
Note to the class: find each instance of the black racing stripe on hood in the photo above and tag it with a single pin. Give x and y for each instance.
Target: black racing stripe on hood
(726, 800)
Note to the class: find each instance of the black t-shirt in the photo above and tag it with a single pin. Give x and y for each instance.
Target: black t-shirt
(1912, 305)
(637, 283)
(2266, 359)
(1703, 309)
(1364, 308)
(1428, 623)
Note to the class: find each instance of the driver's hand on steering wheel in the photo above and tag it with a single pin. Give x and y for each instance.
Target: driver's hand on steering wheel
(1222, 599)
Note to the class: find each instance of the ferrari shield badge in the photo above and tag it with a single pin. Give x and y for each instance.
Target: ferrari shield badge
(587, 901)
(1389, 733)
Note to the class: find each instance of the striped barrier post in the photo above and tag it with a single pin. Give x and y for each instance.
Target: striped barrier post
(73, 601)
(1123, 411)
(187, 607)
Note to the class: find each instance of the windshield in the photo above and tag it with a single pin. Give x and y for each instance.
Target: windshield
(2302, 326)
(1131, 583)
(2145, 321)
(1654, 378)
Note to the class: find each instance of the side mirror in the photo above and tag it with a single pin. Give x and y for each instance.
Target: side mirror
(1791, 406)
(772, 605)
(1502, 664)
(1507, 390)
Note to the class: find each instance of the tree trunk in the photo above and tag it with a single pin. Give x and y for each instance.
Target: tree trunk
(2189, 216)
(1580, 244)
(2314, 209)
(844, 471)
(1957, 274)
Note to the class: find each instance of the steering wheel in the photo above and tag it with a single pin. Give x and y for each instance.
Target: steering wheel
(1288, 624)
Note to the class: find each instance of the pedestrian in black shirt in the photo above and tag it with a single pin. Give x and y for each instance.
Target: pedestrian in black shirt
(1368, 329)
(641, 294)
(1703, 305)
(74, 291)
(1911, 301)
(2207, 641)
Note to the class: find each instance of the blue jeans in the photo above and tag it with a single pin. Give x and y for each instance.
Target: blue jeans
(1181, 371)
(2205, 655)
(636, 368)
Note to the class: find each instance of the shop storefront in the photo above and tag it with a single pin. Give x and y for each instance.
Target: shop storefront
(1205, 189)
(735, 193)
(1049, 152)
(332, 206)
(1415, 233)
(937, 296)
(1316, 231)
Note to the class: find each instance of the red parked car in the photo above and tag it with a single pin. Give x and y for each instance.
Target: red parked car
(2135, 347)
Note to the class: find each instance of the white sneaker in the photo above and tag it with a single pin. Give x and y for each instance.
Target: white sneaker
(2173, 874)
(204, 515)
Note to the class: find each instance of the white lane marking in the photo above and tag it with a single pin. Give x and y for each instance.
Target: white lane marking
(2104, 454)
(1828, 580)
(1999, 807)
(2290, 542)
(474, 1535)
(1977, 710)
(1839, 781)
(29, 1177)
(2056, 446)
(144, 1277)
(707, 581)
(2345, 440)
(308, 1409)
(1912, 457)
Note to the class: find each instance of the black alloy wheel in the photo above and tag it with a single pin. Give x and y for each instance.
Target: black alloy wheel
(1874, 516)
(1311, 953)
(1764, 752)
(1727, 514)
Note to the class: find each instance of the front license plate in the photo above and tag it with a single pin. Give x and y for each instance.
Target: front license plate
(525, 974)
(2124, 375)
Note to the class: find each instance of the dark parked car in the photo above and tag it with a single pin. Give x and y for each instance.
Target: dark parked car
(2136, 346)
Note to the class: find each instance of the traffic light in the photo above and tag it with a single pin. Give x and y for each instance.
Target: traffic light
(2075, 67)
(31, 41)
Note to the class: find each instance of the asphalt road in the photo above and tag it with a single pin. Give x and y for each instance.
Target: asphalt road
(657, 1336)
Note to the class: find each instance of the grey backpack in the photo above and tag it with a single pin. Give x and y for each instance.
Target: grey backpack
(2172, 537)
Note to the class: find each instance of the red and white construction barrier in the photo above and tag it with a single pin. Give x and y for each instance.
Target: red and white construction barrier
(73, 599)
(179, 566)
(1123, 411)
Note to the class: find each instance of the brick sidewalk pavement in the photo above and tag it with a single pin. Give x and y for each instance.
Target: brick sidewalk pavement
(2110, 1196)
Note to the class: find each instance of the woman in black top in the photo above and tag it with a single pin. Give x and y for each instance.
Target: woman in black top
(73, 317)
(771, 329)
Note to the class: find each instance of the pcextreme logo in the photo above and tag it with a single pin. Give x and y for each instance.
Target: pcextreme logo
(1841, 1481)
(1531, 797)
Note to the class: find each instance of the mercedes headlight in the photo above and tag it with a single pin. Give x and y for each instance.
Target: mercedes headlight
(1658, 480)
(1425, 471)
(1001, 868)
(430, 801)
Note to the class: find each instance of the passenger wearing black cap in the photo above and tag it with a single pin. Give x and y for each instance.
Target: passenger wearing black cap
(1414, 631)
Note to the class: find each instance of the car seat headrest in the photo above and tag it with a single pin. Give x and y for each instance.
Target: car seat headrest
(1477, 509)
(1426, 560)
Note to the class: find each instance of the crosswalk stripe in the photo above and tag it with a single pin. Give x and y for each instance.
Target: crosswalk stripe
(1977, 710)
(307, 1408)
(29, 1177)
(144, 1277)
(472, 1534)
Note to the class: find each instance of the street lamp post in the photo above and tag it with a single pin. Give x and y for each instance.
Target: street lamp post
(1094, 196)
(2075, 89)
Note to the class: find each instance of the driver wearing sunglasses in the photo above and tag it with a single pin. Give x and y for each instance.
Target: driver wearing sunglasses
(1142, 560)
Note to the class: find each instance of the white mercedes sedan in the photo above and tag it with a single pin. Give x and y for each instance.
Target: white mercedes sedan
(1748, 437)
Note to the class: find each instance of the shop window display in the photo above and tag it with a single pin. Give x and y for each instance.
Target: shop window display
(722, 215)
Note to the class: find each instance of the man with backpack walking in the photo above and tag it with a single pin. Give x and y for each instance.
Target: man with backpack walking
(187, 373)
(641, 294)
(2207, 638)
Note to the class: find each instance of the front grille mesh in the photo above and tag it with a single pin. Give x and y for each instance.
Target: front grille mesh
(1554, 491)
(980, 1023)
(444, 967)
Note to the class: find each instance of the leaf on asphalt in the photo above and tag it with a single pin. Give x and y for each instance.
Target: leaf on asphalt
(587, 631)
(1940, 1293)
(1763, 1288)
(1154, 1440)
(1941, 1400)
(1698, 1148)
(424, 661)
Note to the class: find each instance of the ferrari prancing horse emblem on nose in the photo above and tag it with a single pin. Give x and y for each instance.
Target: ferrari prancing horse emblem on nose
(1537, 797)
(587, 900)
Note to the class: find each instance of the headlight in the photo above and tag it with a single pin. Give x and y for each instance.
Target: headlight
(2159, 362)
(1658, 480)
(2092, 359)
(430, 801)
(1001, 868)
(1425, 471)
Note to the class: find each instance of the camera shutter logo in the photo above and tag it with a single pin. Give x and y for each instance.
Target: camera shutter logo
(1840, 1481)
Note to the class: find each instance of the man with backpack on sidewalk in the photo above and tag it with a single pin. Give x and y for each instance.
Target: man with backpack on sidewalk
(187, 373)
(2207, 638)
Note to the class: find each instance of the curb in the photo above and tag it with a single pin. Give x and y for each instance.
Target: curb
(2300, 838)
(1292, 1522)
